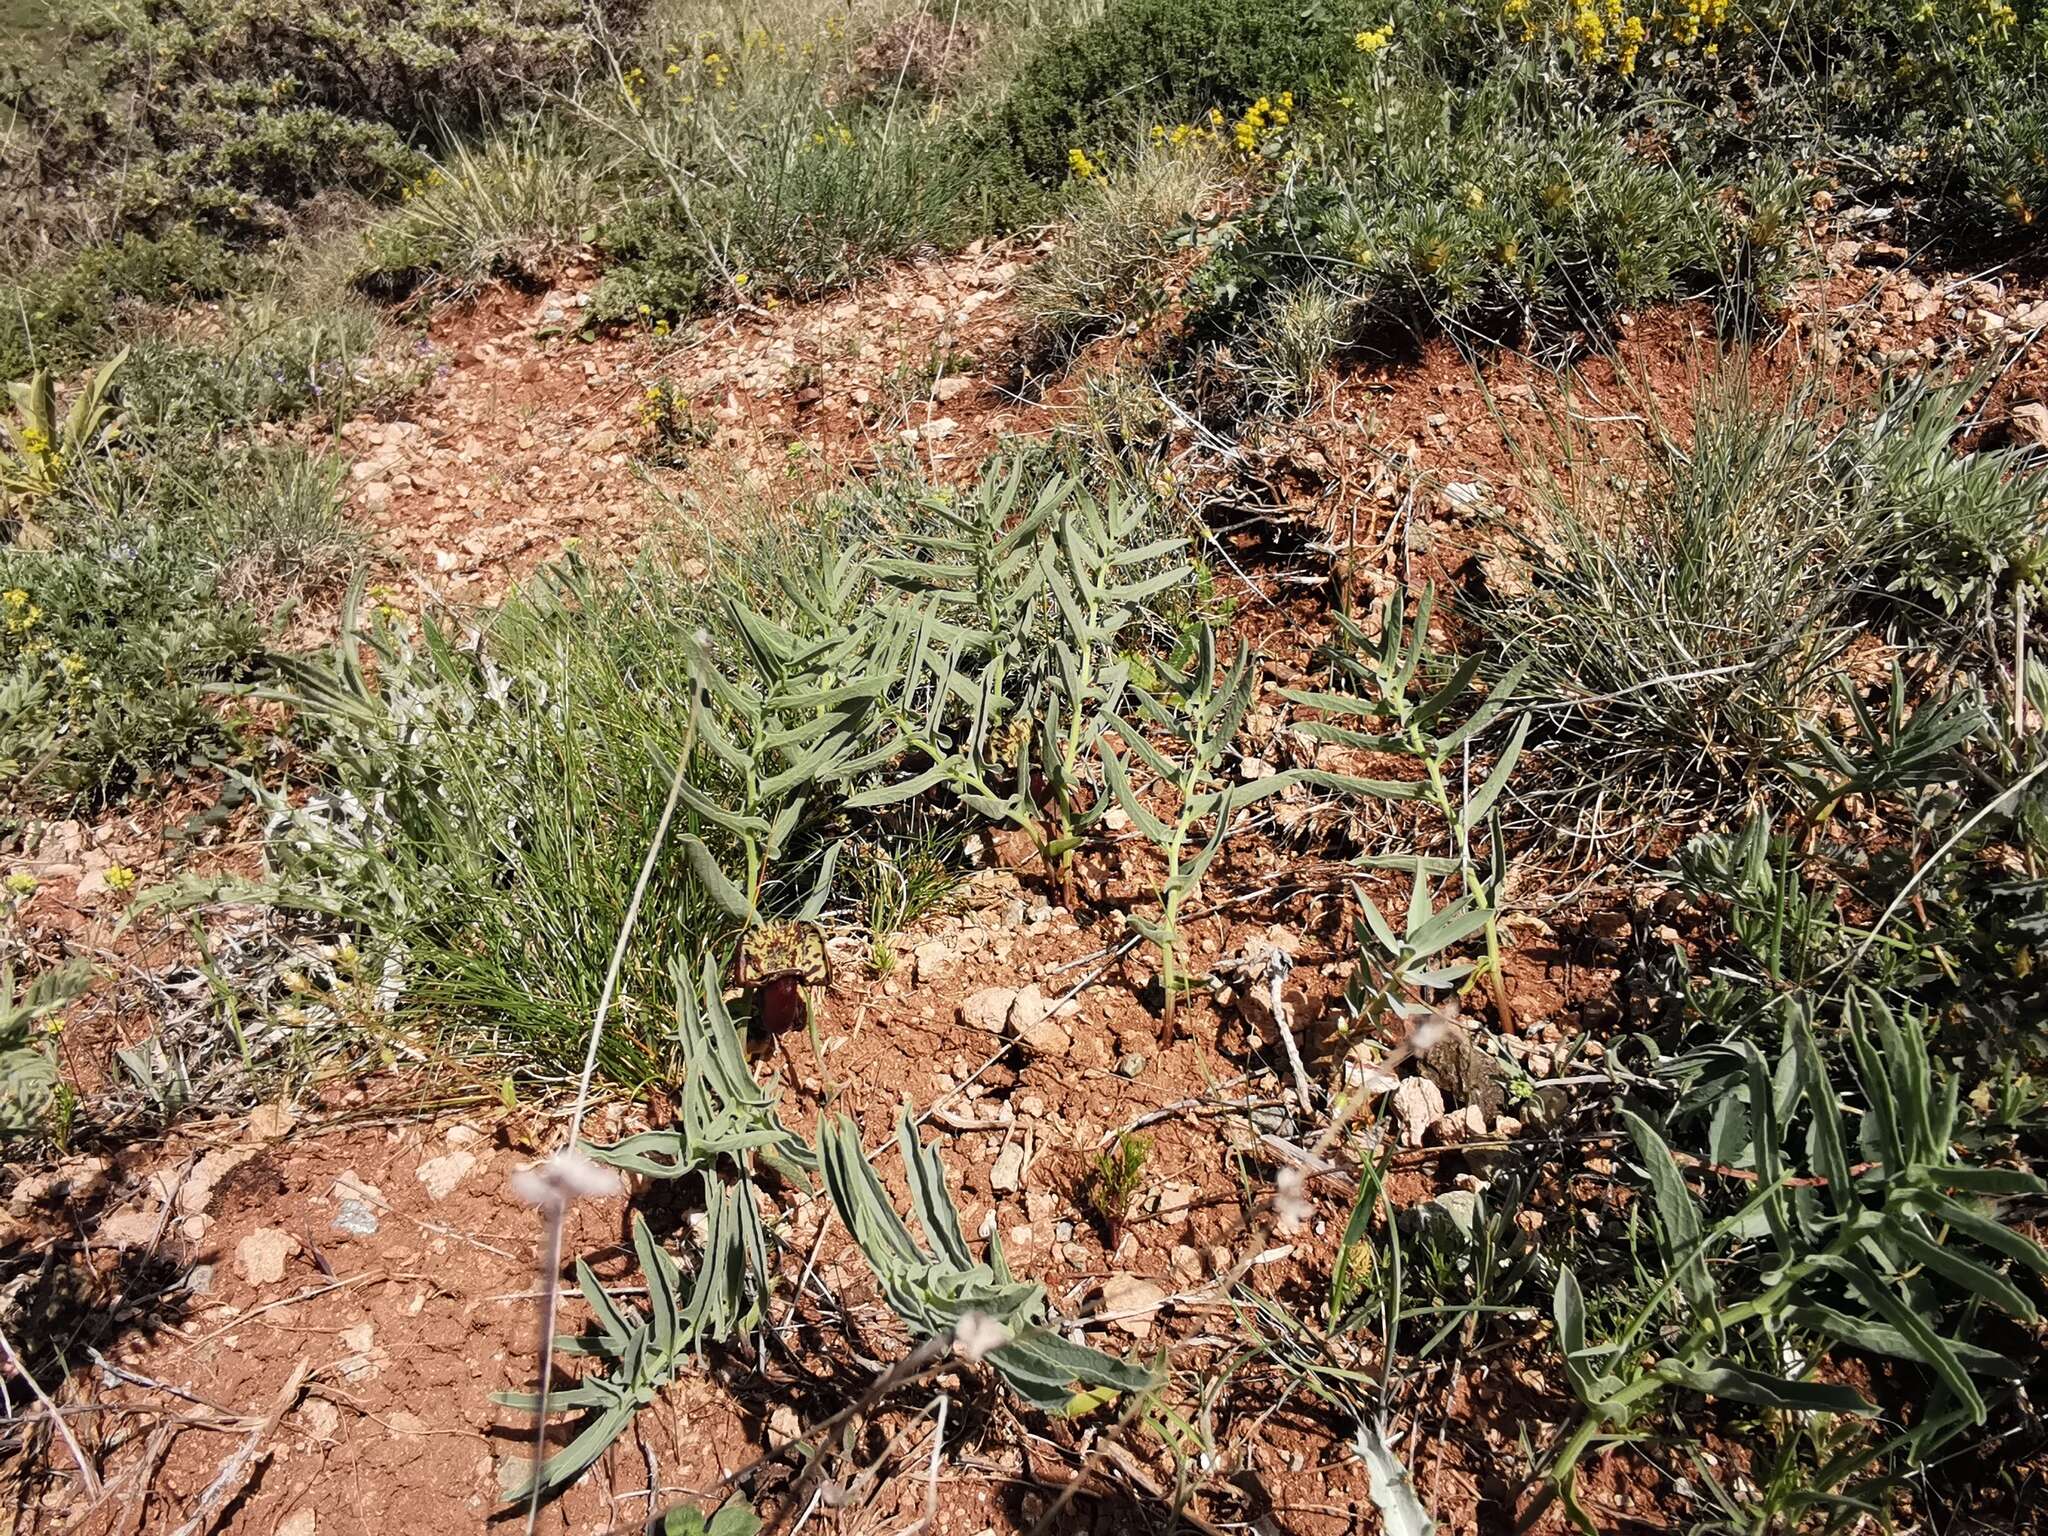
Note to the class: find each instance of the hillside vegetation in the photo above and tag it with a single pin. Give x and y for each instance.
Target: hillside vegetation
(1206, 765)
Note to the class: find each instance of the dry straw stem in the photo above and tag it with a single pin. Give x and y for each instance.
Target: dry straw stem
(567, 1176)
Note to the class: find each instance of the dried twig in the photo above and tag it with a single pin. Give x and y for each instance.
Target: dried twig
(86, 1474)
(235, 1472)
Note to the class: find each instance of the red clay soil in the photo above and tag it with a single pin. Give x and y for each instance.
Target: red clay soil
(528, 438)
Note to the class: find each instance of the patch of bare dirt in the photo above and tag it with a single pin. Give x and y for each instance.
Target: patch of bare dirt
(529, 439)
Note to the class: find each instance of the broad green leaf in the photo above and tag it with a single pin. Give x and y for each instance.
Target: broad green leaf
(1678, 1218)
(1725, 1379)
(721, 890)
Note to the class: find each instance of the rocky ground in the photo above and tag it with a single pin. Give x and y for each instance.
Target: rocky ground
(298, 1315)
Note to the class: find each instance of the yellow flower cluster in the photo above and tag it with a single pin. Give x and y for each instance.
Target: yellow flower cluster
(1993, 18)
(838, 134)
(1079, 165)
(421, 187)
(1694, 18)
(1181, 134)
(18, 614)
(1262, 120)
(1377, 40)
(1612, 32)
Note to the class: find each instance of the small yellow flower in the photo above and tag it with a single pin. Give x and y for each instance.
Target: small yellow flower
(1377, 40)
(21, 883)
(1079, 164)
(741, 279)
(119, 877)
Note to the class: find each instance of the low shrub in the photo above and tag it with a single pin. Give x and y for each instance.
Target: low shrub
(1492, 215)
(1682, 613)
(1127, 233)
(1146, 61)
(271, 364)
(808, 203)
(230, 112)
(155, 579)
(66, 311)
(509, 208)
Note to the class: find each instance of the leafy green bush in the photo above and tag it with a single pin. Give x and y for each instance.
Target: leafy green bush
(1958, 523)
(1482, 212)
(65, 312)
(1144, 61)
(229, 111)
(154, 583)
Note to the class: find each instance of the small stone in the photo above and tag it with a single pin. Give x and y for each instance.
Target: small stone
(1030, 1022)
(1130, 1064)
(199, 1280)
(376, 498)
(441, 1174)
(272, 1122)
(352, 1186)
(1418, 1104)
(1186, 1263)
(1458, 1127)
(1027, 1011)
(1007, 1175)
(364, 1360)
(2031, 419)
(321, 1418)
(260, 1257)
(1130, 1303)
(950, 387)
(303, 1522)
(783, 1425)
(930, 958)
(355, 1217)
(1463, 1072)
(989, 1009)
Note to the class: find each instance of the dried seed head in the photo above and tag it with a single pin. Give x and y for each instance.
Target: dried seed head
(562, 1180)
(977, 1335)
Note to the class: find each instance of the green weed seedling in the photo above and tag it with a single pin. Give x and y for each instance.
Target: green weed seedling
(1114, 1181)
(1375, 712)
(1193, 717)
